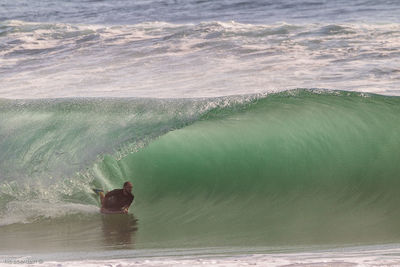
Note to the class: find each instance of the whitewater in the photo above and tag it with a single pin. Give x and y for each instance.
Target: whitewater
(256, 132)
(206, 59)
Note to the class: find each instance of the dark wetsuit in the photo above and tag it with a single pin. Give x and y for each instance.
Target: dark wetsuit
(116, 199)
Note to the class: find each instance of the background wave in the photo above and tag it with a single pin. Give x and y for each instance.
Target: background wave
(257, 11)
(205, 59)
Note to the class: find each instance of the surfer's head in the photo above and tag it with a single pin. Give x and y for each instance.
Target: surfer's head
(128, 187)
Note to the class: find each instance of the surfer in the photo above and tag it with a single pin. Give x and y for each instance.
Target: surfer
(117, 201)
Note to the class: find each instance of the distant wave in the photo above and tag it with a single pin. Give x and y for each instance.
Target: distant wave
(205, 59)
(255, 11)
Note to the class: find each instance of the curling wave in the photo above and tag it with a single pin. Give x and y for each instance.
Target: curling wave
(301, 166)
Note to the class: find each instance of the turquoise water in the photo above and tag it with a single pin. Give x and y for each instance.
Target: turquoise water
(296, 168)
(197, 103)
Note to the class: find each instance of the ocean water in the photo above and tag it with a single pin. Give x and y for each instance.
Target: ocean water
(257, 132)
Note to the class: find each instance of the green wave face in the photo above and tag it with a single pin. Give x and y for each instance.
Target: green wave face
(296, 167)
(292, 168)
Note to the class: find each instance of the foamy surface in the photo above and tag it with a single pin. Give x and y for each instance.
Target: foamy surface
(343, 257)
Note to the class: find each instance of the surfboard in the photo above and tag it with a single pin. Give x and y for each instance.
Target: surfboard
(97, 191)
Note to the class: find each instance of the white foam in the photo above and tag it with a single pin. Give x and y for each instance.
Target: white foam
(358, 256)
(25, 212)
(164, 60)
